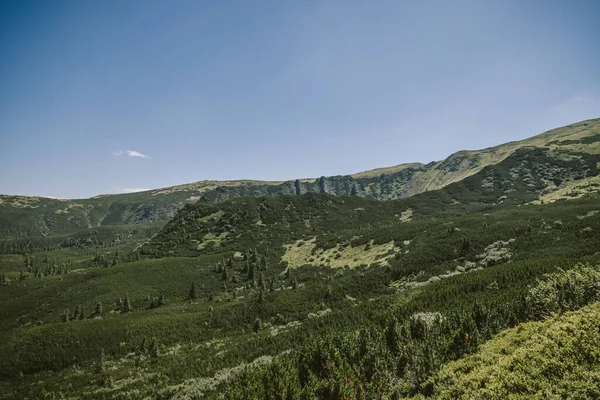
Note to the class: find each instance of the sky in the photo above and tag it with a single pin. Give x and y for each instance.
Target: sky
(114, 96)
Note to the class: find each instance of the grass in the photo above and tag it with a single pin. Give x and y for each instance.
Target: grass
(556, 358)
(306, 252)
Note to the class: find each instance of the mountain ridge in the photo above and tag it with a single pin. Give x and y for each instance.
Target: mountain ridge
(30, 216)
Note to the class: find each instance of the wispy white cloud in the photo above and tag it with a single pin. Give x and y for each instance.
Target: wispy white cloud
(133, 153)
(130, 153)
(134, 190)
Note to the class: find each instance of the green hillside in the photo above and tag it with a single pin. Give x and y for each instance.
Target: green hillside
(557, 358)
(29, 218)
(486, 287)
(258, 295)
(518, 180)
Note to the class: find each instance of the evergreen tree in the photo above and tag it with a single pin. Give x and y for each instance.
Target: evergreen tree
(261, 296)
(261, 282)
(257, 326)
(66, 316)
(465, 245)
(224, 274)
(153, 348)
(328, 293)
(193, 295)
(76, 315)
(82, 313)
(100, 362)
(271, 284)
(251, 273)
(127, 304)
(98, 308)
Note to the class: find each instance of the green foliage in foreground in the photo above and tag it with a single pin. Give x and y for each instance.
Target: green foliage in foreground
(557, 358)
(382, 329)
(396, 360)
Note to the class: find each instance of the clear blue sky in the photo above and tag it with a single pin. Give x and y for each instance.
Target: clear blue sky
(277, 89)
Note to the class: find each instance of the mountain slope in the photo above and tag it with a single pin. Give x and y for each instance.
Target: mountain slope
(557, 358)
(30, 217)
(519, 179)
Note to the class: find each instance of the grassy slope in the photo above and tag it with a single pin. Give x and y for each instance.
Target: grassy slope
(468, 162)
(556, 358)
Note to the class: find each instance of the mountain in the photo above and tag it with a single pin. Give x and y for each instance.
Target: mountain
(290, 295)
(24, 217)
(254, 290)
(523, 177)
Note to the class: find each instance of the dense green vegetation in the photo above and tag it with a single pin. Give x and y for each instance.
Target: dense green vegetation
(557, 358)
(313, 295)
(249, 304)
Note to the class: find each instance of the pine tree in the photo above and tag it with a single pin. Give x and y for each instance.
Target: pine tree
(76, 315)
(224, 274)
(391, 336)
(257, 326)
(66, 316)
(261, 296)
(82, 313)
(193, 295)
(271, 284)
(100, 362)
(98, 308)
(251, 273)
(465, 245)
(261, 282)
(153, 348)
(328, 293)
(127, 304)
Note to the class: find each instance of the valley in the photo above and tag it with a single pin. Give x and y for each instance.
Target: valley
(415, 281)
